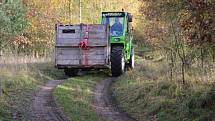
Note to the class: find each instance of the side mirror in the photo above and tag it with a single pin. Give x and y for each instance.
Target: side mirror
(130, 17)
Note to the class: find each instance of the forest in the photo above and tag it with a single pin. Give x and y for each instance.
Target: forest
(174, 46)
(27, 26)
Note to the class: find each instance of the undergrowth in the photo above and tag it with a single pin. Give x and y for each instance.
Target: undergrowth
(19, 80)
(148, 93)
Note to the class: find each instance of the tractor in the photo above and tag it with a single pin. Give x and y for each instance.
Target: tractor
(121, 41)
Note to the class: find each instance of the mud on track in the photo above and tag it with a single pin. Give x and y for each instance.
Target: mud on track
(104, 105)
(44, 107)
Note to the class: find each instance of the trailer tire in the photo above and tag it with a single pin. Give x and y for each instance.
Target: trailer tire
(117, 61)
(71, 72)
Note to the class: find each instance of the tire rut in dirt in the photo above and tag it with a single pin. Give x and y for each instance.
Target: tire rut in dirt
(103, 103)
(44, 107)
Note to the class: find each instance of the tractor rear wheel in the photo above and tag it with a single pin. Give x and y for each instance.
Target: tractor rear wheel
(117, 61)
(71, 72)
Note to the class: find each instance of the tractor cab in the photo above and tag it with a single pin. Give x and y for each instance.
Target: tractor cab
(118, 22)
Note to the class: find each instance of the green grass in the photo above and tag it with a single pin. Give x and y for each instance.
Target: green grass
(75, 97)
(19, 81)
(147, 93)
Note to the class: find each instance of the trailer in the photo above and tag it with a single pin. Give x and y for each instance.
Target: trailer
(82, 46)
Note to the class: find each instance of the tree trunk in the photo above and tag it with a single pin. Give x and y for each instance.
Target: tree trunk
(0, 88)
(172, 66)
(213, 56)
(202, 58)
(183, 72)
(183, 64)
(1, 52)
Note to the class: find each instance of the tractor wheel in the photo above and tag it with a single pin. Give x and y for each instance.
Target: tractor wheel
(131, 61)
(71, 72)
(117, 61)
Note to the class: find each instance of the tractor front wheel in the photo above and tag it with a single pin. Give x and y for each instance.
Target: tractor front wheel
(117, 61)
(131, 61)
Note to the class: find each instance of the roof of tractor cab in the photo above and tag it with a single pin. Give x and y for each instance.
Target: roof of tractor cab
(114, 14)
(118, 14)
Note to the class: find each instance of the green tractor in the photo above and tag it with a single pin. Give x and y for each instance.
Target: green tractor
(121, 41)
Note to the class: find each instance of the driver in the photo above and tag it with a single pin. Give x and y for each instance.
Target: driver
(117, 26)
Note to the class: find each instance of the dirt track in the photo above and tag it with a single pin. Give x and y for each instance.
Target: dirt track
(43, 105)
(104, 105)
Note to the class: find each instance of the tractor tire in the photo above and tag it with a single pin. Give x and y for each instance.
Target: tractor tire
(131, 61)
(71, 72)
(117, 61)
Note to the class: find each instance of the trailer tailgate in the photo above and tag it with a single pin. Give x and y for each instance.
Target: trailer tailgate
(81, 46)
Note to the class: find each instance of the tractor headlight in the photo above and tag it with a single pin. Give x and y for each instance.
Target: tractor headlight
(117, 39)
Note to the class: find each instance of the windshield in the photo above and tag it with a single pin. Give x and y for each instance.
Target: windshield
(116, 25)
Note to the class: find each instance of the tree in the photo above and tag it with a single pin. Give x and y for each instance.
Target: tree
(181, 27)
(13, 22)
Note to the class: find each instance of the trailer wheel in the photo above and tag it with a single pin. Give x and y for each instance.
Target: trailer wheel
(71, 72)
(131, 61)
(117, 61)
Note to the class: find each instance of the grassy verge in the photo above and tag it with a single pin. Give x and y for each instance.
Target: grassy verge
(18, 83)
(147, 93)
(75, 97)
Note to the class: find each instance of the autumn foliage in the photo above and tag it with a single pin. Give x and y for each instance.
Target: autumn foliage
(199, 25)
(27, 26)
(193, 20)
